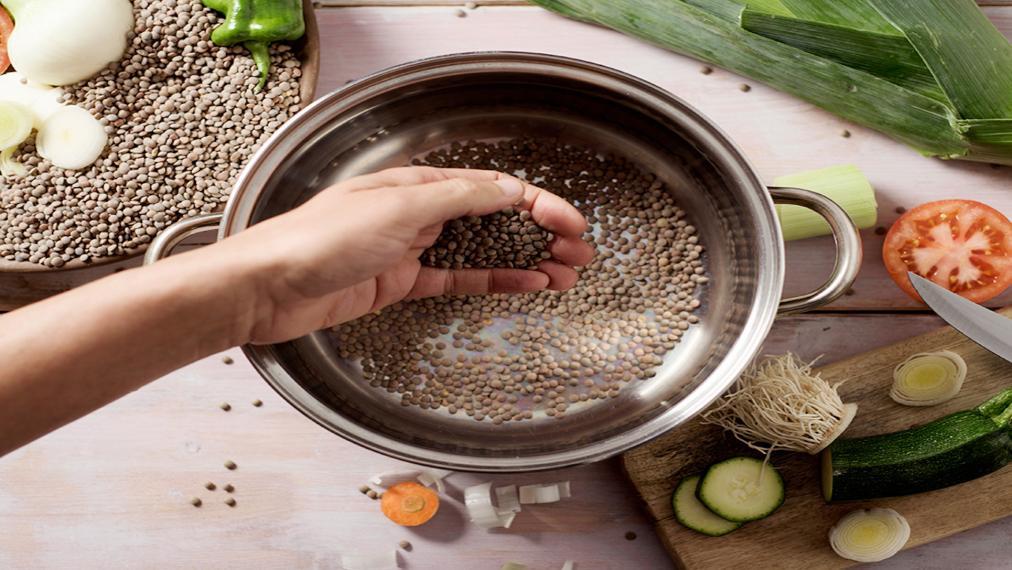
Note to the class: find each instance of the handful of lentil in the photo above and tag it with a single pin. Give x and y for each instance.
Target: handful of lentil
(503, 358)
(508, 239)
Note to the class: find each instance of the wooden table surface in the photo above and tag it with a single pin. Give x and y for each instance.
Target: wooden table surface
(113, 490)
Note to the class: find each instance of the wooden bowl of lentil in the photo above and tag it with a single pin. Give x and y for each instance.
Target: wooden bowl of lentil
(303, 56)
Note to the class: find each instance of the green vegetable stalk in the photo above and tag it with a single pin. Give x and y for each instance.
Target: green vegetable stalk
(257, 24)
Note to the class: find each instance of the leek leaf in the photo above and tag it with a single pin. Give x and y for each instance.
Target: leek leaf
(911, 117)
(970, 59)
(889, 56)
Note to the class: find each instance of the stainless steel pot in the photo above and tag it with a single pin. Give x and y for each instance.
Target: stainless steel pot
(388, 118)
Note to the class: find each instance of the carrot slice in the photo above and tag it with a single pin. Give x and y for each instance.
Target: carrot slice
(409, 503)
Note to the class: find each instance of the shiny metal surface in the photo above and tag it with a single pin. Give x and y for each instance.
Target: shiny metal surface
(848, 249)
(980, 324)
(387, 119)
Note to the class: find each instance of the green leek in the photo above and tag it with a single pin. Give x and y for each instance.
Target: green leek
(934, 74)
(844, 184)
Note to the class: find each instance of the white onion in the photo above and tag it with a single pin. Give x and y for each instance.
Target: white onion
(506, 499)
(60, 42)
(478, 500)
(869, 535)
(41, 100)
(430, 477)
(71, 138)
(928, 378)
(544, 493)
(391, 478)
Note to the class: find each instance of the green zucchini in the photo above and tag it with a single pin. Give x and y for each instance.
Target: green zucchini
(948, 451)
(741, 489)
(693, 514)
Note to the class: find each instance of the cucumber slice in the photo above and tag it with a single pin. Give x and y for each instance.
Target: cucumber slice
(694, 515)
(741, 489)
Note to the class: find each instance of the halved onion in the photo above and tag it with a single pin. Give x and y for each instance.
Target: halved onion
(71, 138)
(869, 535)
(928, 378)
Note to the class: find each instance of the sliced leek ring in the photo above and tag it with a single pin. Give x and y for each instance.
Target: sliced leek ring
(928, 378)
(869, 535)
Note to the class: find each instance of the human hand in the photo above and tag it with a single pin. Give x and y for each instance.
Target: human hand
(354, 248)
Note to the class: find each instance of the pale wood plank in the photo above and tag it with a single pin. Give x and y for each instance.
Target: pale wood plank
(112, 490)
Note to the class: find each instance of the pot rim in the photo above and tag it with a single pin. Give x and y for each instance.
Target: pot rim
(768, 252)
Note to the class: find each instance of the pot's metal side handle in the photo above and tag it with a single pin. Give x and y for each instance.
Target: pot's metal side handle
(848, 248)
(173, 235)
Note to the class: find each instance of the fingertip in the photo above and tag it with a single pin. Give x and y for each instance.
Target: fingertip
(561, 277)
(572, 251)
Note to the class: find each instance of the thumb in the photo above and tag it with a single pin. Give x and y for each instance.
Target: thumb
(438, 202)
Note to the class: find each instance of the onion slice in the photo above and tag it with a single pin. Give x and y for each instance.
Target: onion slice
(71, 138)
(43, 101)
(507, 500)
(544, 493)
(16, 122)
(568, 565)
(386, 560)
(869, 535)
(928, 378)
(478, 500)
(430, 477)
(391, 478)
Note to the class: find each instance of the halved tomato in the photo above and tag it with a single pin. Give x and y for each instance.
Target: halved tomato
(6, 27)
(962, 245)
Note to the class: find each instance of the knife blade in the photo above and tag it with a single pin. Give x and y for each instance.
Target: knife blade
(983, 326)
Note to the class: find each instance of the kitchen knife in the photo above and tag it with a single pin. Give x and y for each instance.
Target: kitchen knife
(983, 326)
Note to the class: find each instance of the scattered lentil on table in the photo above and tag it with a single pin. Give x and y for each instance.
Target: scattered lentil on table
(183, 118)
(231, 466)
(506, 358)
(196, 501)
(228, 488)
(257, 403)
(210, 486)
(228, 360)
(225, 406)
(230, 502)
(405, 545)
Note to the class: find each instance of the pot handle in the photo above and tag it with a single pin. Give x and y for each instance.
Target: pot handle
(173, 235)
(848, 248)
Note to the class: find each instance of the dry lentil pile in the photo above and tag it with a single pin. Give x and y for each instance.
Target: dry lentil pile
(504, 239)
(508, 358)
(182, 118)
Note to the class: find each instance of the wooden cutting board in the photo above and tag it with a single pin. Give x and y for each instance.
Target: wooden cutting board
(796, 535)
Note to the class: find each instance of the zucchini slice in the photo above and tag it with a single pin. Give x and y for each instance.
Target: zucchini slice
(950, 450)
(693, 514)
(741, 489)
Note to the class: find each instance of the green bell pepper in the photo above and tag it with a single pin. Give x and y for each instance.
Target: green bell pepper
(257, 24)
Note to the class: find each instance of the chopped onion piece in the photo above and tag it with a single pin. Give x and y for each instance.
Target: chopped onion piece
(478, 500)
(430, 477)
(71, 138)
(390, 478)
(928, 378)
(506, 499)
(869, 535)
(569, 565)
(544, 493)
(513, 566)
(386, 560)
